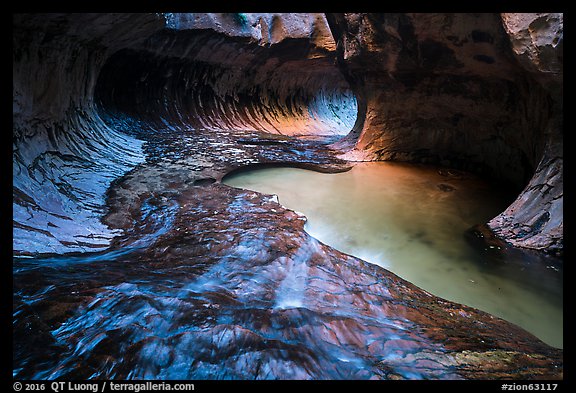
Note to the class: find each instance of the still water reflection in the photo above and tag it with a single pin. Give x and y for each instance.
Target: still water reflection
(412, 221)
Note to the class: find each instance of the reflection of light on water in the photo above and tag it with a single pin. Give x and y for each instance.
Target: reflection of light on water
(411, 220)
(290, 292)
(326, 234)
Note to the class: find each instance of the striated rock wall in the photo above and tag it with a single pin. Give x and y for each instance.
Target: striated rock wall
(480, 92)
(535, 220)
(204, 79)
(85, 83)
(64, 155)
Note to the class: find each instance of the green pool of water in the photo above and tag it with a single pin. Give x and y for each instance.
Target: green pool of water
(411, 220)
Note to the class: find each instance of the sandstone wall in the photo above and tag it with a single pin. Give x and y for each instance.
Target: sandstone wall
(480, 92)
(86, 85)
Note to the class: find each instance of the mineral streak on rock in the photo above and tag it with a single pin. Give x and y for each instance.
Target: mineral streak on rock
(125, 124)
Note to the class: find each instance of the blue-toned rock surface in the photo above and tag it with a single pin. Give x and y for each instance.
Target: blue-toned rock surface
(133, 261)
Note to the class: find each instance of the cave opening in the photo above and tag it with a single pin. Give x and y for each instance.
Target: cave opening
(279, 91)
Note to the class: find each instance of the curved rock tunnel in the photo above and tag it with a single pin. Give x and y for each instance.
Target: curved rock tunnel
(279, 91)
(105, 104)
(180, 76)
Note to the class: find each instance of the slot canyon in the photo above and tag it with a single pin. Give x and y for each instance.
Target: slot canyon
(136, 257)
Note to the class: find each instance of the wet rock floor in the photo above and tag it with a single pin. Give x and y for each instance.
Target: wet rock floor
(213, 282)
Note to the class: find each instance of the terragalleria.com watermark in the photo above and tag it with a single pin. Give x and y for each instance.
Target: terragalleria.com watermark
(102, 387)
